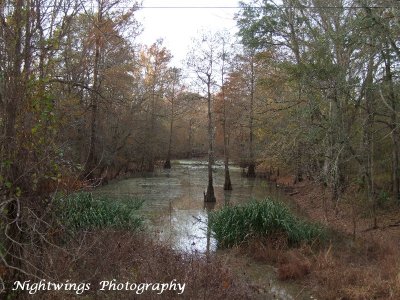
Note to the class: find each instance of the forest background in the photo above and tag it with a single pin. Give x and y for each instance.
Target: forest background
(311, 92)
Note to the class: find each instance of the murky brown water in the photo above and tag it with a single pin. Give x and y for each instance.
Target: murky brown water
(174, 205)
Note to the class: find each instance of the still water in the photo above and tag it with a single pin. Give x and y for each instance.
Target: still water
(176, 213)
(174, 201)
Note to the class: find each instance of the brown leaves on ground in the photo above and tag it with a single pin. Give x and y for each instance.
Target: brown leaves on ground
(361, 263)
(367, 267)
(107, 255)
(351, 270)
(363, 270)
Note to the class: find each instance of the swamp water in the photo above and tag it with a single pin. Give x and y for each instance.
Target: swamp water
(176, 213)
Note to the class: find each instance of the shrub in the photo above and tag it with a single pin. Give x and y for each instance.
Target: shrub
(234, 224)
(82, 211)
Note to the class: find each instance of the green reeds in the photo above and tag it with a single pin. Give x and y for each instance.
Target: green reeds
(233, 225)
(81, 211)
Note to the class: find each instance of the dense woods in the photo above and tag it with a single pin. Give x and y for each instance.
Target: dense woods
(308, 88)
(326, 91)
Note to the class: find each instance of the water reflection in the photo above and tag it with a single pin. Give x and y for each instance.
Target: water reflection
(208, 207)
(174, 202)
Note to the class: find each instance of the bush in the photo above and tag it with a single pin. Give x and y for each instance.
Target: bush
(81, 211)
(234, 224)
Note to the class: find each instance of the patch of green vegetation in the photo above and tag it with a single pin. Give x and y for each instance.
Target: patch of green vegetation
(81, 211)
(233, 225)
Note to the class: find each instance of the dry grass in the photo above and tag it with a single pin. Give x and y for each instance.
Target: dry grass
(105, 255)
(358, 262)
(360, 270)
(268, 249)
(363, 270)
(293, 265)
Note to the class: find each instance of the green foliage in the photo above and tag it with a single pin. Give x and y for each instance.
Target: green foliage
(235, 224)
(81, 211)
(257, 27)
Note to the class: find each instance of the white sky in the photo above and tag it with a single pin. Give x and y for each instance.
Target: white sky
(177, 27)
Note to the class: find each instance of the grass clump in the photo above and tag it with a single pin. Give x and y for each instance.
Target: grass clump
(234, 224)
(81, 211)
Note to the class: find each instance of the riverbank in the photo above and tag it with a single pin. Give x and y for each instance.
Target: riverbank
(359, 262)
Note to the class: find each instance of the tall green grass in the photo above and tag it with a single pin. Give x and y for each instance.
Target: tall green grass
(81, 211)
(233, 225)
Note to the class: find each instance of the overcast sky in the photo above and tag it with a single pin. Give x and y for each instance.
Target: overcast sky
(177, 26)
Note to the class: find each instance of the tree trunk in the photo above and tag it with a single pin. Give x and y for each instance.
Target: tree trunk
(167, 164)
(91, 160)
(227, 183)
(394, 130)
(190, 138)
(209, 196)
(27, 47)
(368, 140)
(150, 149)
(337, 134)
(251, 171)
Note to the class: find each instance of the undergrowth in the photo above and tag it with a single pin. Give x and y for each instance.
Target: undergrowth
(233, 225)
(135, 257)
(81, 211)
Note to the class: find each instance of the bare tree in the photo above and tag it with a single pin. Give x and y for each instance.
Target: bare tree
(202, 61)
(223, 62)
